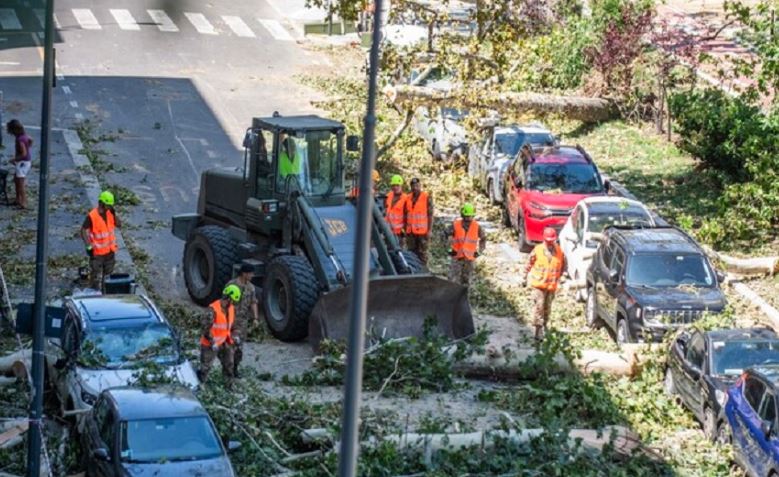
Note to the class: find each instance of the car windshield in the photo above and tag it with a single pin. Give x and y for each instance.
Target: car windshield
(453, 113)
(170, 439)
(311, 159)
(669, 270)
(628, 217)
(510, 143)
(568, 178)
(124, 347)
(731, 358)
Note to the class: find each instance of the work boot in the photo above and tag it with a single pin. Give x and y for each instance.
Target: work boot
(236, 374)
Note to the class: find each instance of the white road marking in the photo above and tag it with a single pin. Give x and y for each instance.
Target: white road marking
(124, 19)
(9, 20)
(60, 77)
(9, 63)
(203, 142)
(57, 23)
(66, 89)
(74, 104)
(86, 19)
(238, 26)
(163, 21)
(201, 23)
(211, 154)
(276, 30)
(79, 116)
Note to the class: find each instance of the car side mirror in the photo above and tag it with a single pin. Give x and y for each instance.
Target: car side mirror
(613, 275)
(233, 446)
(101, 454)
(767, 428)
(247, 140)
(353, 143)
(607, 186)
(721, 277)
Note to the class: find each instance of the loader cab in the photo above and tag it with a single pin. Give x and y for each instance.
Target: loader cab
(287, 154)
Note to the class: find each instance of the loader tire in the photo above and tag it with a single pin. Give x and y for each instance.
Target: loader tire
(209, 256)
(415, 265)
(289, 293)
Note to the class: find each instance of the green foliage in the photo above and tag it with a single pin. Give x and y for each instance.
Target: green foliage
(123, 195)
(405, 366)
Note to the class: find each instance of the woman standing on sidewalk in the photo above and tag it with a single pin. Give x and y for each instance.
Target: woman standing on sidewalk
(22, 160)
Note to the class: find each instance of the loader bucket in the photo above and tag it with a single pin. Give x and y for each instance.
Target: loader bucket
(397, 307)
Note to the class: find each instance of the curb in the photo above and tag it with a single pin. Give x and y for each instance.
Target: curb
(92, 187)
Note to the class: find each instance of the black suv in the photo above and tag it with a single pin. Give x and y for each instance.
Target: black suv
(643, 282)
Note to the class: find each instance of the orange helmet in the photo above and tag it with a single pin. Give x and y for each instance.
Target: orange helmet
(550, 235)
(376, 176)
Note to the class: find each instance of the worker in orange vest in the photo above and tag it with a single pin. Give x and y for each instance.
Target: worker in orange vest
(466, 241)
(395, 208)
(216, 339)
(545, 266)
(355, 192)
(419, 220)
(99, 236)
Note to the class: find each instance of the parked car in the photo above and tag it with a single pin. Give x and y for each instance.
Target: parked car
(144, 432)
(103, 340)
(544, 185)
(490, 157)
(644, 282)
(750, 422)
(442, 131)
(581, 233)
(703, 364)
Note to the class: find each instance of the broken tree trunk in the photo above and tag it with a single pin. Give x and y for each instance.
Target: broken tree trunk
(16, 364)
(757, 266)
(627, 362)
(13, 435)
(771, 313)
(573, 107)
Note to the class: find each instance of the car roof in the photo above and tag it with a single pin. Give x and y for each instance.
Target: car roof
(162, 402)
(558, 155)
(305, 122)
(768, 371)
(116, 309)
(514, 128)
(743, 334)
(614, 205)
(648, 240)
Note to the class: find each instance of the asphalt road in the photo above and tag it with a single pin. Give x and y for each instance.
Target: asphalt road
(172, 83)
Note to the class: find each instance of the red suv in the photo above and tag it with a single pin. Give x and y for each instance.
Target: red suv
(543, 186)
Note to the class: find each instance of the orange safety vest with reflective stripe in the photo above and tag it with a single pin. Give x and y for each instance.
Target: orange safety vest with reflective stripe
(465, 243)
(220, 329)
(101, 235)
(417, 215)
(546, 271)
(394, 215)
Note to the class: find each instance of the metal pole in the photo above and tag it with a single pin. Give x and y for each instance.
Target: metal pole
(347, 464)
(41, 255)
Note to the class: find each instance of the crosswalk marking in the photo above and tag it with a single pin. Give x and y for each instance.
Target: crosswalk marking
(86, 19)
(9, 20)
(163, 21)
(238, 26)
(276, 30)
(125, 19)
(201, 23)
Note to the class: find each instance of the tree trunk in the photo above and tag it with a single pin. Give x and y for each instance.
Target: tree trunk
(16, 364)
(573, 107)
(756, 266)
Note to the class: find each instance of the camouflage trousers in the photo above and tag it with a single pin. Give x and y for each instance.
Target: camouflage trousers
(207, 357)
(542, 307)
(100, 266)
(460, 271)
(418, 245)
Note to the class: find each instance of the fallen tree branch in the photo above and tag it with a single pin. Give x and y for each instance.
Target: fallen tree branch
(574, 107)
(756, 266)
(408, 116)
(771, 313)
(16, 364)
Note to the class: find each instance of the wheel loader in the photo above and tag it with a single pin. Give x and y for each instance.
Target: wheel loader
(286, 214)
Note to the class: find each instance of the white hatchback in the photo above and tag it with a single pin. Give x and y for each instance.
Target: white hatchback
(580, 237)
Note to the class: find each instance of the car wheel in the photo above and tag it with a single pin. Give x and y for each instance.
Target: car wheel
(590, 311)
(623, 335)
(504, 213)
(491, 192)
(524, 246)
(668, 383)
(435, 149)
(709, 424)
(289, 294)
(723, 434)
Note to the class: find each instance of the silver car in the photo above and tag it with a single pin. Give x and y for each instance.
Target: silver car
(104, 341)
(489, 158)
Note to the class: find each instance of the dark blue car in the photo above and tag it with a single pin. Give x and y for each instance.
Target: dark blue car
(751, 421)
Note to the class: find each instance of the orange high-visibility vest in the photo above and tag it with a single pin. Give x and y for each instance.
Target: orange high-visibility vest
(220, 329)
(101, 235)
(546, 271)
(394, 214)
(465, 242)
(417, 215)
